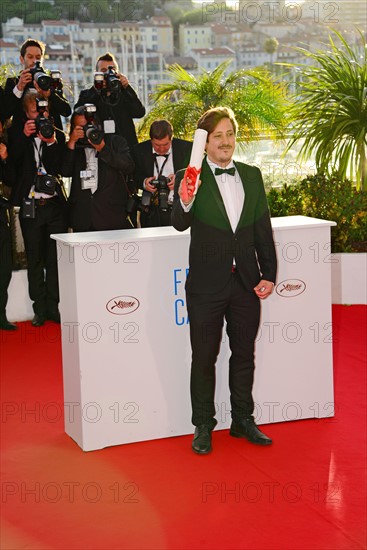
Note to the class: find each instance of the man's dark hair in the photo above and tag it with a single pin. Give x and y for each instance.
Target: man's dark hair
(159, 129)
(32, 43)
(106, 57)
(209, 120)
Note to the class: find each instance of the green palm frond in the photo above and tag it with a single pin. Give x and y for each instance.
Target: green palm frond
(329, 111)
(256, 99)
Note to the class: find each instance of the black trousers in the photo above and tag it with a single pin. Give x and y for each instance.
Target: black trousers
(241, 309)
(6, 265)
(41, 254)
(156, 217)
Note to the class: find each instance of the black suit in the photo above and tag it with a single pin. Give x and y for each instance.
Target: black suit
(128, 106)
(58, 106)
(144, 168)
(105, 209)
(214, 291)
(50, 218)
(6, 262)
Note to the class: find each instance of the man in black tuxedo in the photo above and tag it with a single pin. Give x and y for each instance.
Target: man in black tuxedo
(99, 192)
(32, 51)
(6, 263)
(33, 158)
(162, 155)
(116, 110)
(233, 265)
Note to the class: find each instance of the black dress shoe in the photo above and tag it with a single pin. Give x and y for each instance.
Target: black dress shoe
(38, 320)
(202, 442)
(248, 429)
(6, 325)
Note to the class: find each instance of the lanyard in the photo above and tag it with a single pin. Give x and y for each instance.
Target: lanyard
(38, 150)
(159, 171)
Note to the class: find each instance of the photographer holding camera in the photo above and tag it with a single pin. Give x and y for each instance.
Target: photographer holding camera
(6, 264)
(34, 156)
(116, 101)
(157, 160)
(97, 163)
(33, 76)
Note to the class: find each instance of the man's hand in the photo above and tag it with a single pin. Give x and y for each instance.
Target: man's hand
(3, 151)
(24, 79)
(44, 93)
(171, 183)
(264, 289)
(29, 128)
(187, 189)
(148, 185)
(77, 133)
(98, 147)
(123, 79)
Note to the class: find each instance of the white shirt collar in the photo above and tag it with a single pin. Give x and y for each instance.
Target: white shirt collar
(213, 165)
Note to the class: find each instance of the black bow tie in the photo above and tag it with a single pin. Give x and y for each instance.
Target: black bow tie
(158, 155)
(230, 171)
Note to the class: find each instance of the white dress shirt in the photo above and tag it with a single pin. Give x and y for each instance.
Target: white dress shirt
(232, 192)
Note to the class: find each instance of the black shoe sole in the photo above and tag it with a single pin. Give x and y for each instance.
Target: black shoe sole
(202, 452)
(262, 442)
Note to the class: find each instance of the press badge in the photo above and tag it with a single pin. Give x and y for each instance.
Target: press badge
(88, 179)
(109, 126)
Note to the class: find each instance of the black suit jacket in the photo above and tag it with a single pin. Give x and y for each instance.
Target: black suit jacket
(144, 159)
(58, 106)
(127, 107)
(214, 245)
(23, 167)
(105, 208)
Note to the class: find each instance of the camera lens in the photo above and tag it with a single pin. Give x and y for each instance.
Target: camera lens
(94, 135)
(44, 127)
(43, 81)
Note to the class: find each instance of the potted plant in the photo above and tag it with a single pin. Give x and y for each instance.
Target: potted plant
(329, 117)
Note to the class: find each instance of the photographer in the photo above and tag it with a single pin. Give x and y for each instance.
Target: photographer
(157, 160)
(33, 76)
(116, 101)
(34, 156)
(5, 233)
(97, 163)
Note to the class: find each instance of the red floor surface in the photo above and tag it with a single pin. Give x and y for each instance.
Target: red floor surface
(306, 491)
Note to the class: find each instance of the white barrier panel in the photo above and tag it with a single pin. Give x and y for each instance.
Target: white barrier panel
(125, 337)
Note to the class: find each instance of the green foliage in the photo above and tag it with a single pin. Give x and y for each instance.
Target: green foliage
(6, 71)
(330, 109)
(193, 17)
(256, 99)
(329, 198)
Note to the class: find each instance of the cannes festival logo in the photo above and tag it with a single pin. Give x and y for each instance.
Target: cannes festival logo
(122, 305)
(290, 288)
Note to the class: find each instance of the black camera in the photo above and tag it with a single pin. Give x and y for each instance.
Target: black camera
(39, 75)
(92, 130)
(45, 183)
(113, 83)
(161, 184)
(56, 82)
(44, 125)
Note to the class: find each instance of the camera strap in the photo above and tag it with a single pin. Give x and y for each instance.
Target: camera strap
(38, 154)
(160, 170)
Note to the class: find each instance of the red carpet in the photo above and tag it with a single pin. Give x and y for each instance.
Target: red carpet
(307, 491)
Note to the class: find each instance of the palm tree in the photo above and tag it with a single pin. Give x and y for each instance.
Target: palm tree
(330, 110)
(270, 46)
(256, 99)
